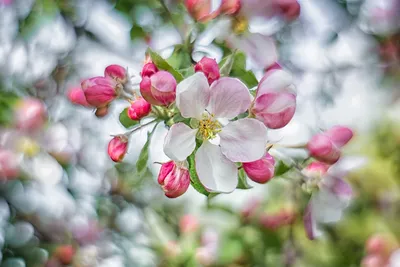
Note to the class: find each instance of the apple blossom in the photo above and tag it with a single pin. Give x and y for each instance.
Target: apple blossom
(326, 146)
(159, 89)
(174, 178)
(209, 67)
(139, 108)
(77, 96)
(117, 147)
(275, 101)
(30, 114)
(243, 140)
(262, 170)
(330, 196)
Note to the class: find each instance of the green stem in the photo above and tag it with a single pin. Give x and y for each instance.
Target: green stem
(140, 127)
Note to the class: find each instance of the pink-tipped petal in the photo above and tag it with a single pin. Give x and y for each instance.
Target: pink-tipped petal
(322, 148)
(229, 97)
(192, 96)
(174, 179)
(116, 72)
(163, 87)
(77, 96)
(215, 171)
(309, 222)
(275, 80)
(275, 110)
(243, 140)
(340, 135)
(100, 95)
(180, 142)
(145, 91)
(209, 67)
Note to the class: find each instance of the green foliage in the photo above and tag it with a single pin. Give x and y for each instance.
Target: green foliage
(281, 168)
(162, 64)
(125, 120)
(194, 178)
(180, 58)
(243, 184)
(141, 164)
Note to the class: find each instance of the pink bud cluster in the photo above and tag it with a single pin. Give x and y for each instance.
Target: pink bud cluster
(174, 179)
(99, 92)
(326, 146)
(157, 87)
(139, 109)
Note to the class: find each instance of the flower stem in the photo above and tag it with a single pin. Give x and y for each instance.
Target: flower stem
(140, 127)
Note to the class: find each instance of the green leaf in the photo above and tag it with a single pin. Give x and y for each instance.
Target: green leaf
(246, 76)
(162, 64)
(141, 164)
(231, 250)
(180, 58)
(226, 64)
(137, 32)
(125, 120)
(243, 184)
(187, 72)
(281, 168)
(194, 178)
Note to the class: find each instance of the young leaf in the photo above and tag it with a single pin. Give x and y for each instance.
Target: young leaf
(162, 64)
(144, 153)
(242, 180)
(281, 168)
(125, 120)
(194, 179)
(226, 64)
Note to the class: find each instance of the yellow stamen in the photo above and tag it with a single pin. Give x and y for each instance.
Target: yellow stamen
(209, 127)
(240, 25)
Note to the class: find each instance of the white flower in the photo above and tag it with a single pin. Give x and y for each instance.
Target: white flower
(243, 140)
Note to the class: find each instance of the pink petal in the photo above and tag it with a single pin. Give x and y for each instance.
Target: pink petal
(309, 222)
(274, 80)
(229, 97)
(192, 95)
(340, 135)
(275, 110)
(180, 142)
(244, 140)
(215, 171)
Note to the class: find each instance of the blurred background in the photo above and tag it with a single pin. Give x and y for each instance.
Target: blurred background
(68, 204)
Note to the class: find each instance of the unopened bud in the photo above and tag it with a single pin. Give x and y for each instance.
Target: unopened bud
(188, 224)
(159, 89)
(117, 147)
(149, 69)
(290, 9)
(230, 7)
(174, 179)
(262, 170)
(139, 108)
(30, 114)
(77, 96)
(340, 135)
(65, 254)
(323, 149)
(377, 244)
(8, 165)
(209, 67)
(117, 73)
(100, 91)
(198, 9)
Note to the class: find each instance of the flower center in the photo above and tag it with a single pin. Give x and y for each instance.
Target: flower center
(28, 146)
(240, 25)
(209, 127)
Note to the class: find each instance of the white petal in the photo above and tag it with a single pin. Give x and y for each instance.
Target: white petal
(192, 95)
(326, 207)
(228, 98)
(274, 81)
(215, 171)
(180, 142)
(244, 140)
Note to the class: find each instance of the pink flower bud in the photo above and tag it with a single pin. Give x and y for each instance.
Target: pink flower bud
(30, 114)
(275, 110)
(163, 87)
(100, 91)
(316, 169)
(274, 221)
(198, 9)
(76, 96)
(289, 8)
(376, 244)
(188, 224)
(230, 7)
(8, 165)
(139, 108)
(340, 135)
(173, 179)
(149, 69)
(65, 254)
(101, 112)
(209, 67)
(262, 170)
(117, 73)
(117, 147)
(323, 149)
(373, 261)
